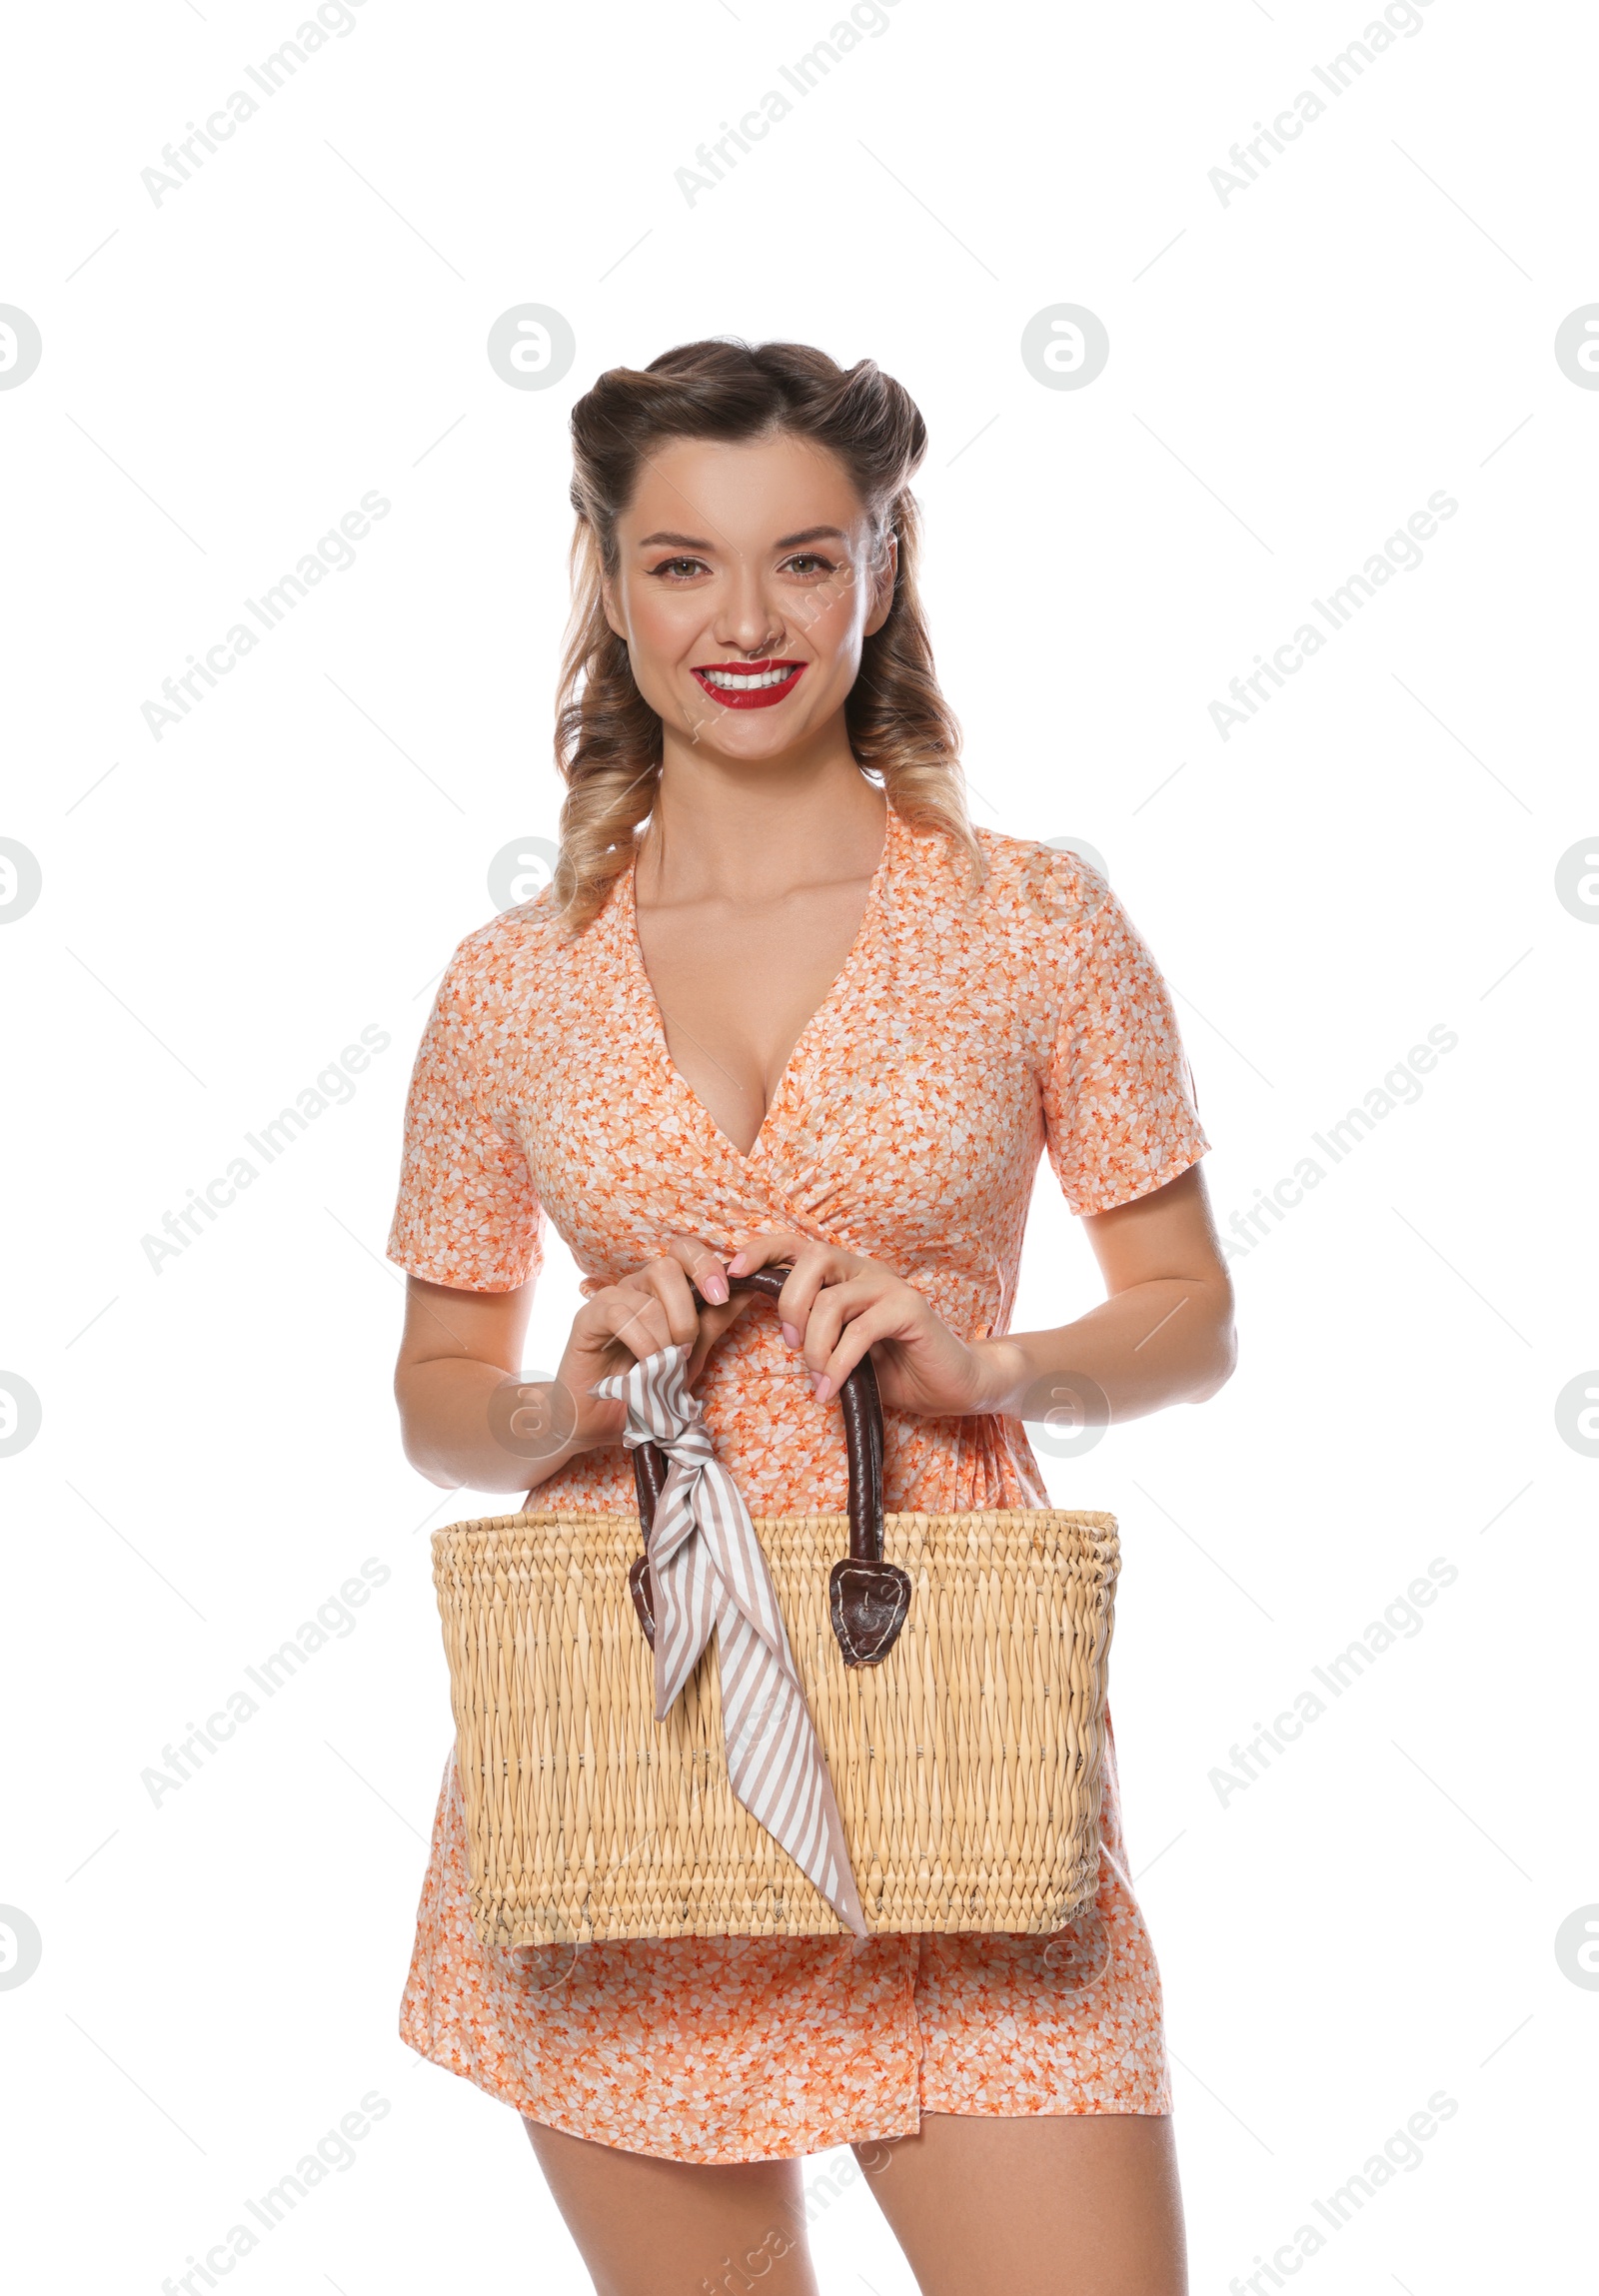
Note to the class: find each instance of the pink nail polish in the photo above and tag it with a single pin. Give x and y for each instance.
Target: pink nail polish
(790, 1336)
(715, 1289)
(736, 1266)
(824, 1388)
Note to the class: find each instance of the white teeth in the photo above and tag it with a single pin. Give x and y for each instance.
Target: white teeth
(742, 682)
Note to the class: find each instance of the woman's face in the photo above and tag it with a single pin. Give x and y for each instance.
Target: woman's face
(745, 587)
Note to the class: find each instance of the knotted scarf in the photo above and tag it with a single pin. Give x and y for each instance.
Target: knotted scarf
(707, 1570)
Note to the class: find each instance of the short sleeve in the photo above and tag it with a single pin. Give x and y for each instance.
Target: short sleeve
(467, 1214)
(1121, 1115)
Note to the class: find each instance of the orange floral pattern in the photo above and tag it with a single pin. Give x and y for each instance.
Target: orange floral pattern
(966, 1036)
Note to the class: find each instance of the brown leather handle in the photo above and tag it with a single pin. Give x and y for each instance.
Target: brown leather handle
(870, 1596)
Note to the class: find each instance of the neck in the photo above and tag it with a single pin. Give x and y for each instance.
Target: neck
(739, 827)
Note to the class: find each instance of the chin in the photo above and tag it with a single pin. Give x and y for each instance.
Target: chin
(754, 736)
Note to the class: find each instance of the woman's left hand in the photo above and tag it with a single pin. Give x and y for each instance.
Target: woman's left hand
(835, 1305)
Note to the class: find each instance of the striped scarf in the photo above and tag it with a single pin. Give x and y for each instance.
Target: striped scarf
(707, 1570)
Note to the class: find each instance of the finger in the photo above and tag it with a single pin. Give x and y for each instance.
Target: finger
(714, 1324)
(858, 1337)
(632, 1317)
(817, 1268)
(836, 1306)
(761, 1251)
(668, 1279)
(704, 1264)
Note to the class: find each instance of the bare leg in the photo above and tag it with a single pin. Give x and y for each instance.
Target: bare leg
(647, 2227)
(1072, 2204)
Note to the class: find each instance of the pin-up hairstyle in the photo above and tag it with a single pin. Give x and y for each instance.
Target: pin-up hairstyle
(608, 738)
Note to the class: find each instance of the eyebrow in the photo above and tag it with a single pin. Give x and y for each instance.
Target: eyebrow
(783, 542)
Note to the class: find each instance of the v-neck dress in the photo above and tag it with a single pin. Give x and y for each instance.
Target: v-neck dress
(966, 1037)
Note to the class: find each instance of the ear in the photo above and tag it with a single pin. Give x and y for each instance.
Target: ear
(883, 582)
(608, 601)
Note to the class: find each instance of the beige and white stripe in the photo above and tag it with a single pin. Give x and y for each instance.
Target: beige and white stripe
(707, 1570)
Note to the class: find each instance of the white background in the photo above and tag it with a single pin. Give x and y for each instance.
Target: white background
(1291, 375)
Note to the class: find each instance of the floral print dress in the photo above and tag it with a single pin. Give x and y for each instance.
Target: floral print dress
(969, 1033)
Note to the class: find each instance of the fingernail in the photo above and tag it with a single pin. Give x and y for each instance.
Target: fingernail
(791, 1335)
(824, 1387)
(736, 1266)
(714, 1288)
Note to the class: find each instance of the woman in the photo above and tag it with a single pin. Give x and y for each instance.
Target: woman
(782, 1005)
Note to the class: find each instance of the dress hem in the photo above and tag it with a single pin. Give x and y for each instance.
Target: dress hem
(815, 2141)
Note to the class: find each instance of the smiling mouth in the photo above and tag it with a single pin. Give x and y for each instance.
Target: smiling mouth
(748, 685)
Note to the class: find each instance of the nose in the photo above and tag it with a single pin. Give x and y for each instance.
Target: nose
(747, 620)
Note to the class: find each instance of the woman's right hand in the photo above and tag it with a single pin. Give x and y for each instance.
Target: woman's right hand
(651, 1309)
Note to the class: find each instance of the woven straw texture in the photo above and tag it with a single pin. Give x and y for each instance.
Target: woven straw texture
(967, 1765)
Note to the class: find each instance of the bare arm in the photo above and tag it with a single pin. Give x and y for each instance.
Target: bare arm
(1163, 1333)
(468, 1418)
(456, 1349)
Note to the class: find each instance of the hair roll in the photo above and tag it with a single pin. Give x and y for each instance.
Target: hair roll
(608, 738)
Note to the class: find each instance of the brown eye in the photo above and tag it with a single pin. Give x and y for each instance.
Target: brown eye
(810, 562)
(679, 568)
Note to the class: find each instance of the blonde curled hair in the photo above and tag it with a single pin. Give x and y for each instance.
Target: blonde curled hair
(608, 738)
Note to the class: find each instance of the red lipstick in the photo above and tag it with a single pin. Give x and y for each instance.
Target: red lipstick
(777, 681)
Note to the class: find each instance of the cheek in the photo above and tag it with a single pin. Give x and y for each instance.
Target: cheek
(826, 620)
(663, 624)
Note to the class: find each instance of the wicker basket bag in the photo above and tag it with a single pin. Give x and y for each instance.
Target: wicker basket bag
(953, 1669)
